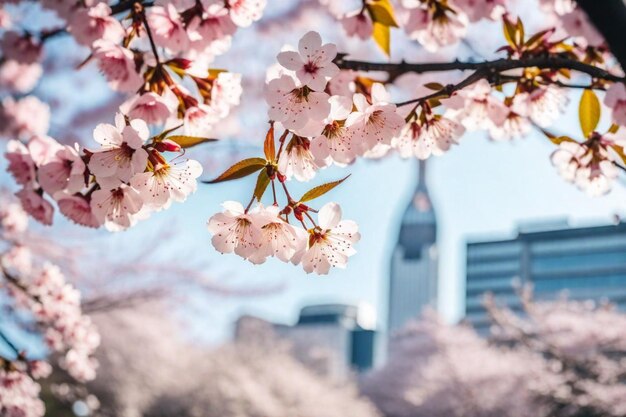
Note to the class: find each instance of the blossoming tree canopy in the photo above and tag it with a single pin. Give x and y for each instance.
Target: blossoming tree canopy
(323, 109)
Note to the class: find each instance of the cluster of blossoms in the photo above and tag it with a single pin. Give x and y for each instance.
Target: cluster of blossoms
(52, 305)
(123, 181)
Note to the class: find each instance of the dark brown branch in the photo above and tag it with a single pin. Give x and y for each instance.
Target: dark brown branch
(11, 345)
(127, 5)
(609, 17)
(495, 66)
(450, 88)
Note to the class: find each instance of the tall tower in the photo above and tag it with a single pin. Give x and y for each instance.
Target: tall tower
(413, 278)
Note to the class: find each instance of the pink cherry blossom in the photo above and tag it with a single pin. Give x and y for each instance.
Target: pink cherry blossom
(330, 243)
(5, 19)
(546, 104)
(482, 9)
(337, 143)
(21, 48)
(13, 219)
(116, 207)
(278, 238)
(35, 205)
(433, 30)
(615, 98)
(20, 395)
(200, 120)
(476, 107)
(167, 28)
(312, 63)
(577, 24)
(19, 78)
(234, 230)
(118, 66)
(435, 137)
(21, 164)
(65, 171)
(244, 12)
(43, 148)
(150, 107)
(516, 123)
(213, 25)
(297, 160)
(358, 24)
(589, 166)
(376, 123)
(121, 155)
(167, 182)
(24, 118)
(77, 209)
(295, 106)
(95, 23)
(225, 92)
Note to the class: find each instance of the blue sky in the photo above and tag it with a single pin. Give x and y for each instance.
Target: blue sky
(480, 190)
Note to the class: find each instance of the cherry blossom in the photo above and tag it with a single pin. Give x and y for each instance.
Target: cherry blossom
(35, 205)
(312, 63)
(19, 395)
(95, 23)
(377, 122)
(225, 92)
(476, 107)
(577, 24)
(24, 118)
(167, 27)
(21, 164)
(199, 120)
(19, 78)
(121, 155)
(118, 65)
(482, 9)
(434, 137)
(615, 98)
(516, 123)
(78, 209)
(546, 104)
(151, 107)
(433, 29)
(21, 48)
(295, 106)
(115, 207)
(337, 143)
(358, 24)
(297, 160)
(167, 182)
(13, 219)
(588, 165)
(244, 12)
(65, 171)
(235, 230)
(330, 244)
(210, 28)
(278, 238)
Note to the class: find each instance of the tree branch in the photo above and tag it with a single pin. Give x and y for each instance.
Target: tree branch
(495, 66)
(609, 17)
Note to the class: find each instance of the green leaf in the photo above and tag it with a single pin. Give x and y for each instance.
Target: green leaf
(189, 141)
(320, 190)
(382, 12)
(509, 30)
(382, 37)
(262, 181)
(557, 140)
(588, 112)
(434, 86)
(240, 169)
(268, 146)
(163, 134)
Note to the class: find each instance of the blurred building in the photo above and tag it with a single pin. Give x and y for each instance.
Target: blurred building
(589, 263)
(413, 276)
(332, 338)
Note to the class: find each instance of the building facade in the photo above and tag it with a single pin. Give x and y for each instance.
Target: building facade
(587, 263)
(413, 275)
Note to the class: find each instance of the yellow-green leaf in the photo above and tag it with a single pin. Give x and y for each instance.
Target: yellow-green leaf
(320, 190)
(509, 30)
(240, 169)
(588, 112)
(189, 141)
(269, 146)
(381, 11)
(557, 140)
(382, 36)
(434, 86)
(614, 128)
(262, 181)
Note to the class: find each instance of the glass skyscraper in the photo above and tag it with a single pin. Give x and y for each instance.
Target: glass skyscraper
(587, 263)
